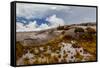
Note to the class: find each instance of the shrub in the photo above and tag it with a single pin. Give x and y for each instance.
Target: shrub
(19, 50)
(26, 61)
(90, 30)
(66, 28)
(78, 30)
(87, 36)
(60, 27)
(63, 32)
(69, 37)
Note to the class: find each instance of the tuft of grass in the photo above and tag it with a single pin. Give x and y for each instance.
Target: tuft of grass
(79, 57)
(19, 50)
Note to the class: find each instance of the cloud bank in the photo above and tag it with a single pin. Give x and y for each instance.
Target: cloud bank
(53, 20)
(37, 10)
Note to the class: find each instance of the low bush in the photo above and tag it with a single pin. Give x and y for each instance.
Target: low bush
(19, 50)
(90, 30)
(78, 30)
(60, 27)
(88, 37)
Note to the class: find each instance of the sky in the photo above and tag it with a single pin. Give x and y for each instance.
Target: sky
(34, 17)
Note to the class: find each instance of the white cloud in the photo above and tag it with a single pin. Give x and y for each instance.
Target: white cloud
(87, 19)
(31, 10)
(29, 27)
(55, 21)
(70, 14)
(20, 26)
(53, 8)
(66, 8)
(36, 10)
(43, 26)
(33, 26)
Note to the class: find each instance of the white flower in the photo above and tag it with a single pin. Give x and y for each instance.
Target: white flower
(41, 48)
(70, 59)
(80, 50)
(73, 42)
(28, 55)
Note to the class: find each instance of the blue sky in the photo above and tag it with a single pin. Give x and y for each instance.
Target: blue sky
(32, 17)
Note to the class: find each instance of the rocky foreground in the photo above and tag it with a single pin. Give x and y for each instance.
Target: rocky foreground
(62, 45)
(67, 52)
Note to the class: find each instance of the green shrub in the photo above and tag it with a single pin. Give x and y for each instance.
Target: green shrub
(60, 27)
(87, 36)
(90, 30)
(78, 30)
